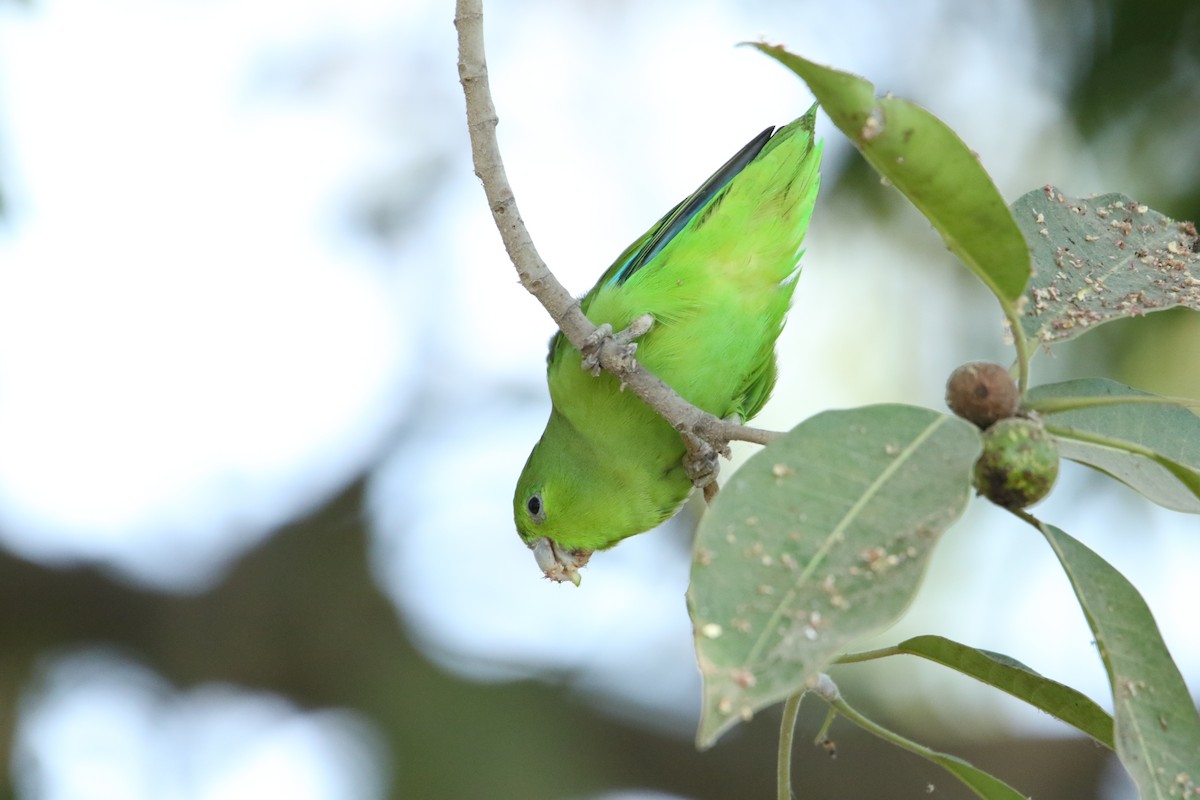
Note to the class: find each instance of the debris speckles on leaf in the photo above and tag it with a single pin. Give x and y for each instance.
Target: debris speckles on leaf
(744, 678)
(871, 554)
(872, 125)
(836, 598)
(1188, 786)
(1113, 258)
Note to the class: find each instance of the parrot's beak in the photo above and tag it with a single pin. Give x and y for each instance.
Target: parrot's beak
(557, 564)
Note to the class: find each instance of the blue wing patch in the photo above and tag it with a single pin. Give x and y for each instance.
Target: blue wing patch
(678, 217)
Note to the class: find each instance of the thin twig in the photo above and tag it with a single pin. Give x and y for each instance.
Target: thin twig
(1013, 315)
(537, 278)
(787, 733)
(827, 690)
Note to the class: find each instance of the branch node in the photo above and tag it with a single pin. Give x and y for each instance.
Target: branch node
(824, 687)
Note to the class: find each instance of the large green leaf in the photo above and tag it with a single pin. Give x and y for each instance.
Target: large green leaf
(1100, 259)
(923, 158)
(1010, 675)
(822, 538)
(1157, 728)
(1152, 447)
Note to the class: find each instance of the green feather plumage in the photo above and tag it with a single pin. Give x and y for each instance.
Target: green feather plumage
(718, 287)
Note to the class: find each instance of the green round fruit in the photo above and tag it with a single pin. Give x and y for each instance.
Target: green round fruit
(982, 392)
(1019, 463)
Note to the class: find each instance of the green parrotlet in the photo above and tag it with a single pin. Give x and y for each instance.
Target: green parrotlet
(716, 273)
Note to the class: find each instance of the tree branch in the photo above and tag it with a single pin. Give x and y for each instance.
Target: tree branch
(608, 351)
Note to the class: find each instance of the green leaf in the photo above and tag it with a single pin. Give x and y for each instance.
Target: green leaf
(923, 158)
(983, 784)
(822, 538)
(1101, 259)
(1152, 447)
(1157, 728)
(1013, 677)
(987, 786)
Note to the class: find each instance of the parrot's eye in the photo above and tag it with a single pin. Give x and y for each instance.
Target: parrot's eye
(537, 512)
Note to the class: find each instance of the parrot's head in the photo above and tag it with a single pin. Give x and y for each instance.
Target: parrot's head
(571, 501)
(548, 516)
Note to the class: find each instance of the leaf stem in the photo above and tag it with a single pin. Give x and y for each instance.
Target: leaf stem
(823, 734)
(1055, 405)
(787, 733)
(869, 655)
(1019, 341)
(1066, 432)
(1026, 517)
(838, 703)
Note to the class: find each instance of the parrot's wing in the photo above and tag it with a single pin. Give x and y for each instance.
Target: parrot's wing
(651, 243)
(557, 343)
(759, 386)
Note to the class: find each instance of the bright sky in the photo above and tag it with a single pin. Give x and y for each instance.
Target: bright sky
(173, 326)
(180, 284)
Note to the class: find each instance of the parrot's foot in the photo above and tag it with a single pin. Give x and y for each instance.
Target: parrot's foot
(626, 340)
(701, 463)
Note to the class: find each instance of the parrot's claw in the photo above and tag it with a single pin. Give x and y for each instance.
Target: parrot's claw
(701, 462)
(591, 349)
(638, 328)
(626, 340)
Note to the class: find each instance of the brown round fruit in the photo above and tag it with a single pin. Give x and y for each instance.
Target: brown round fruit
(982, 392)
(1019, 463)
